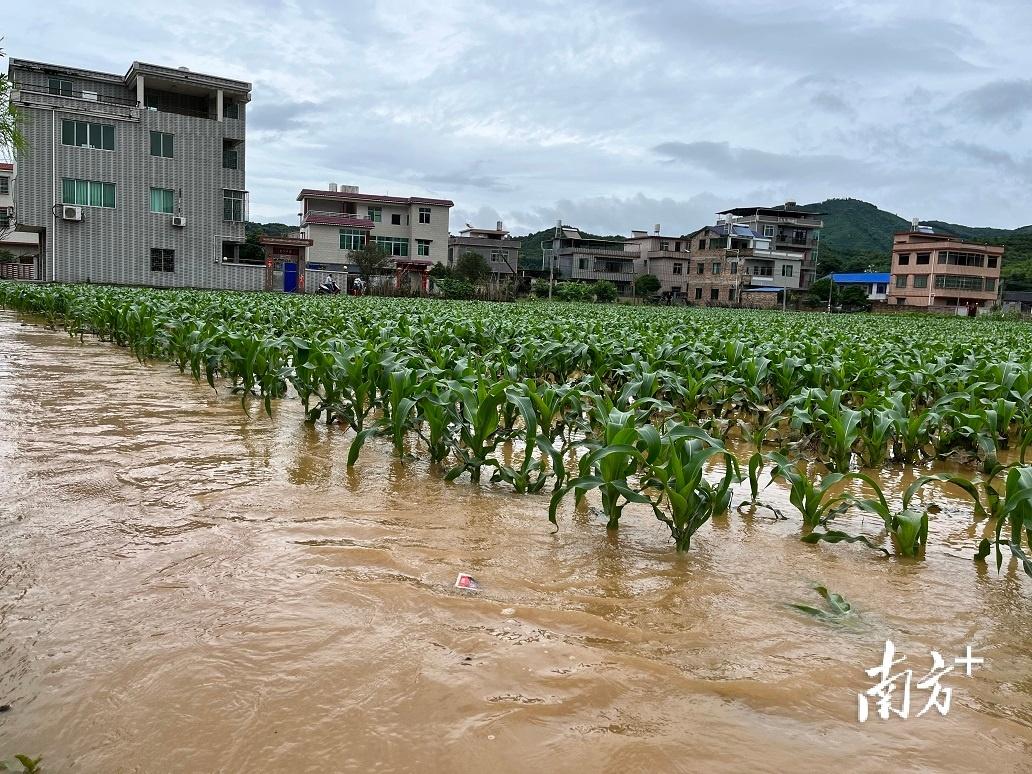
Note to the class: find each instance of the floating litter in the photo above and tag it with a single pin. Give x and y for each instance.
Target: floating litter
(509, 612)
(466, 582)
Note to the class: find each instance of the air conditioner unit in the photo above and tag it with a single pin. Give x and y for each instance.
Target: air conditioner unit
(178, 221)
(90, 95)
(71, 213)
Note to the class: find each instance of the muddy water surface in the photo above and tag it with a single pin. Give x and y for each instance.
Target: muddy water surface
(186, 586)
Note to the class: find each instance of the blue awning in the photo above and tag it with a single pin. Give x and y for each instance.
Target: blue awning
(861, 278)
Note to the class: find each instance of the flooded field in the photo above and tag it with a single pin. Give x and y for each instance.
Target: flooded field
(186, 586)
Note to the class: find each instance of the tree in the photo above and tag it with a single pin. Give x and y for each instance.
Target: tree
(472, 267)
(439, 271)
(372, 260)
(854, 296)
(646, 285)
(819, 291)
(605, 292)
(10, 135)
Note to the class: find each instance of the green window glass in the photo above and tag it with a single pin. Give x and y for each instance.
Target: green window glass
(162, 200)
(352, 239)
(87, 135)
(376, 214)
(396, 246)
(161, 144)
(60, 86)
(229, 158)
(230, 109)
(423, 247)
(87, 193)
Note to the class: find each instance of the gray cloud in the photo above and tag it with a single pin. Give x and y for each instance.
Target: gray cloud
(720, 158)
(635, 113)
(997, 101)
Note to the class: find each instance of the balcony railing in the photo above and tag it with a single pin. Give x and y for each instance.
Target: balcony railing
(89, 96)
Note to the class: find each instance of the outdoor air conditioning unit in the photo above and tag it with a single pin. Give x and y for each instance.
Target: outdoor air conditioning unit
(90, 95)
(178, 220)
(71, 213)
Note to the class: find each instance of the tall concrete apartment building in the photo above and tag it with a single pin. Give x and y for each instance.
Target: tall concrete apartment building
(790, 231)
(933, 270)
(413, 230)
(500, 253)
(136, 178)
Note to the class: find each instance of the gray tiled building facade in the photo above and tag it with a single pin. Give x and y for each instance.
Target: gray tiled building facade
(133, 179)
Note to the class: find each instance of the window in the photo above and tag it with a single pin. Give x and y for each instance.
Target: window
(233, 206)
(230, 108)
(397, 246)
(920, 280)
(715, 268)
(675, 290)
(352, 239)
(991, 262)
(396, 219)
(375, 214)
(787, 270)
(990, 283)
(61, 86)
(582, 263)
(424, 214)
(901, 280)
(768, 231)
(882, 287)
(162, 200)
(161, 145)
(923, 259)
(86, 135)
(702, 244)
(956, 258)
(734, 267)
(498, 256)
(698, 294)
(5, 185)
(700, 268)
(730, 294)
(678, 268)
(904, 259)
(664, 245)
(230, 156)
(162, 260)
(959, 282)
(677, 247)
(87, 193)
(714, 294)
(901, 301)
(423, 248)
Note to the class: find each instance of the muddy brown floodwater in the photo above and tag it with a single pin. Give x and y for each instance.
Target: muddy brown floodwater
(185, 586)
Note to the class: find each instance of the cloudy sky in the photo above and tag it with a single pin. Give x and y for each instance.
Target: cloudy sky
(610, 115)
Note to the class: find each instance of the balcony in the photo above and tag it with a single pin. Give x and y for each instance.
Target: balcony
(74, 101)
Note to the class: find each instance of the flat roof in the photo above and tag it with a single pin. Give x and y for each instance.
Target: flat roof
(136, 68)
(782, 210)
(344, 196)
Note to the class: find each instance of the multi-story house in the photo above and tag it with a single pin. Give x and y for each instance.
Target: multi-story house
(789, 229)
(500, 253)
(19, 250)
(133, 179)
(412, 230)
(578, 258)
(934, 270)
(660, 255)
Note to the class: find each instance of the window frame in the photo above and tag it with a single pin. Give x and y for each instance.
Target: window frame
(168, 197)
(227, 199)
(161, 137)
(678, 268)
(355, 237)
(105, 139)
(163, 260)
(89, 191)
(375, 214)
(424, 212)
(424, 244)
